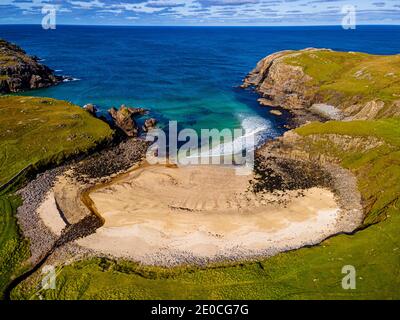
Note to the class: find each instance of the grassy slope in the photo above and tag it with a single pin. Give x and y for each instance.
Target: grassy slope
(377, 170)
(342, 77)
(40, 131)
(312, 273)
(37, 131)
(13, 249)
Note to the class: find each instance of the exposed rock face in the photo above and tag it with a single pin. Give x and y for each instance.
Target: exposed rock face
(282, 79)
(136, 112)
(280, 84)
(326, 111)
(266, 102)
(275, 112)
(124, 119)
(91, 108)
(292, 145)
(288, 163)
(283, 85)
(368, 111)
(19, 71)
(149, 124)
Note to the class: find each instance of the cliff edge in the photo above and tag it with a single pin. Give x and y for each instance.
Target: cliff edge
(329, 84)
(19, 71)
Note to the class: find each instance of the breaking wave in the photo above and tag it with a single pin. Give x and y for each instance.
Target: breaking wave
(256, 131)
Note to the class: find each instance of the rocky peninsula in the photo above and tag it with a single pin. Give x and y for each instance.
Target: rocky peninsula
(20, 72)
(322, 84)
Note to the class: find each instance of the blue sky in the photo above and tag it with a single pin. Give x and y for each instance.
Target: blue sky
(201, 12)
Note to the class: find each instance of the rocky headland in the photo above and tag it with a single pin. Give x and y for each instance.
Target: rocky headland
(20, 72)
(321, 84)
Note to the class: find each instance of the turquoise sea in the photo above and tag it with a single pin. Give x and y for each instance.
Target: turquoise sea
(187, 74)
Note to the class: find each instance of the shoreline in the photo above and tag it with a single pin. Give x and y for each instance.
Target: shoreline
(195, 247)
(340, 221)
(92, 174)
(75, 202)
(36, 192)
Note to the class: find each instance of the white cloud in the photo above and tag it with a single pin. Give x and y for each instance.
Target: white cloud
(87, 4)
(136, 7)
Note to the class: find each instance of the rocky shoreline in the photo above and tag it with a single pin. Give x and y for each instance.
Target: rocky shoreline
(282, 86)
(284, 164)
(283, 79)
(20, 72)
(96, 168)
(279, 168)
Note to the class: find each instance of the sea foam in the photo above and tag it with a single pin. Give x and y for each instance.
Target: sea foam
(256, 131)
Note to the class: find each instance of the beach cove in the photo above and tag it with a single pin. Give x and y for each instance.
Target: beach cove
(319, 188)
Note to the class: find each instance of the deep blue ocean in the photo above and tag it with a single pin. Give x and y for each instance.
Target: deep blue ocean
(180, 73)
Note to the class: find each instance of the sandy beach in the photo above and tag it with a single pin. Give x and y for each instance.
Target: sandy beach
(164, 215)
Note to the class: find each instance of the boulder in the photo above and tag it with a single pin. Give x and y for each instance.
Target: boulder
(124, 120)
(136, 112)
(266, 102)
(149, 124)
(275, 112)
(91, 108)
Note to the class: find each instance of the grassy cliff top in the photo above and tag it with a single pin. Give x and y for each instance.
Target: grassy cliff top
(40, 131)
(361, 76)
(35, 133)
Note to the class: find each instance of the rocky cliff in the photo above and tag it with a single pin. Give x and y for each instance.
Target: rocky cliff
(316, 84)
(124, 119)
(329, 84)
(19, 71)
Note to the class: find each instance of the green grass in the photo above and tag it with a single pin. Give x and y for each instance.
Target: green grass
(43, 131)
(308, 273)
(350, 78)
(385, 129)
(303, 274)
(35, 133)
(14, 250)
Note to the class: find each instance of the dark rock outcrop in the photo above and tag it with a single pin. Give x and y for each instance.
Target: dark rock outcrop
(19, 71)
(111, 161)
(149, 124)
(334, 90)
(124, 119)
(91, 108)
(279, 83)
